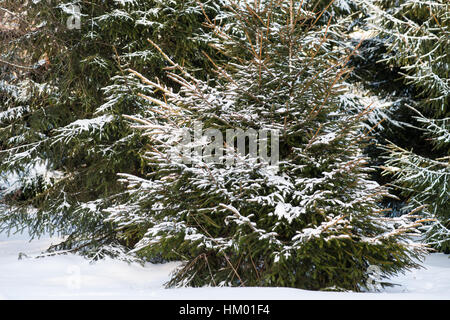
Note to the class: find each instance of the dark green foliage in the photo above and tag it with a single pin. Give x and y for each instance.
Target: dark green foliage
(314, 223)
(415, 36)
(63, 92)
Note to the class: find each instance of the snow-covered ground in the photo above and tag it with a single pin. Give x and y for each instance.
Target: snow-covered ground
(72, 277)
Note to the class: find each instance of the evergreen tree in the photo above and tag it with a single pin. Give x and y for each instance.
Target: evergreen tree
(426, 181)
(310, 220)
(63, 90)
(376, 82)
(417, 34)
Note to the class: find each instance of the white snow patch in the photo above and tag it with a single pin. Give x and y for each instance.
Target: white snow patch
(73, 277)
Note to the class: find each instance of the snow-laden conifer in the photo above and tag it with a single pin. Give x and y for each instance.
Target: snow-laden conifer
(310, 220)
(63, 89)
(417, 36)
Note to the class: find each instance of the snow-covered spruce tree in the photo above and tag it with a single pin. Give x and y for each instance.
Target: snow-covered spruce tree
(426, 181)
(417, 35)
(310, 220)
(63, 90)
(379, 77)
